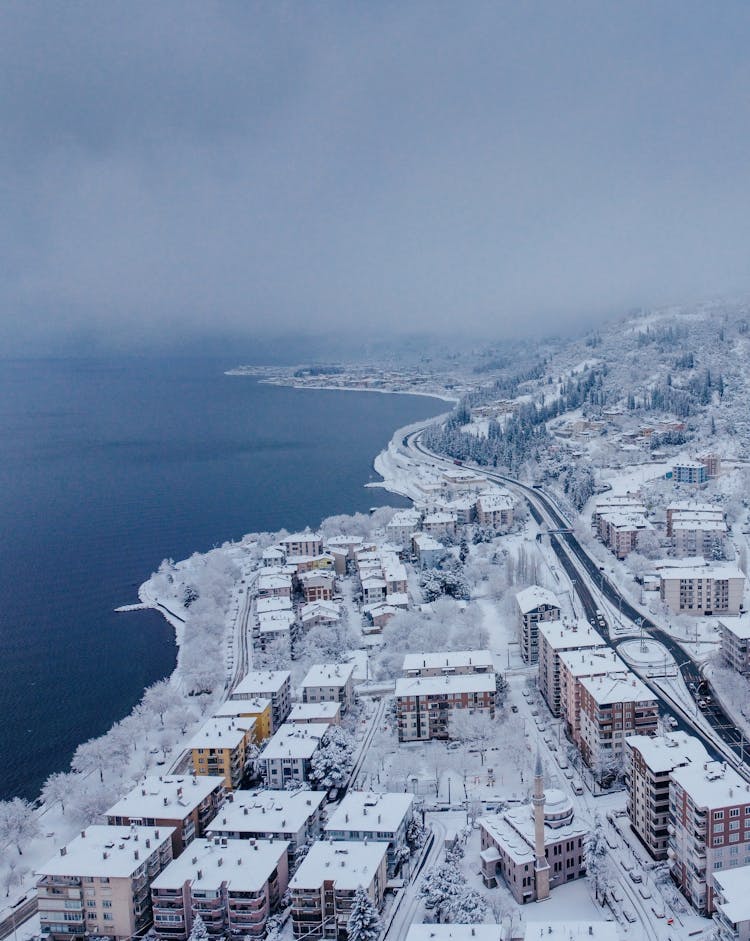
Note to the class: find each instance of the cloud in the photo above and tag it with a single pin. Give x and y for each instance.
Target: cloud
(174, 169)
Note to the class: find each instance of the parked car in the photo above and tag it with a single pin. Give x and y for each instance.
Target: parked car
(635, 876)
(628, 916)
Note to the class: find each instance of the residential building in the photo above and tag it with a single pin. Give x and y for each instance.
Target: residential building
(692, 510)
(184, 803)
(294, 817)
(535, 604)
(274, 626)
(463, 508)
(650, 762)
(709, 808)
(302, 544)
(274, 586)
(324, 886)
(735, 643)
(329, 682)
(373, 590)
(625, 503)
(268, 684)
(448, 663)
(317, 585)
(273, 605)
(439, 524)
(394, 575)
(494, 509)
(220, 747)
(712, 462)
(689, 472)
(326, 712)
(703, 588)
(364, 815)
(428, 551)
(462, 480)
(533, 848)
(100, 883)
(402, 525)
(555, 637)
(575, 664)
(319, 612)
(699, 536)
(611, 708)
(621, 531)
(233, 885)
(732, 904)
(258, 709)
(287, 756)
(425, 705)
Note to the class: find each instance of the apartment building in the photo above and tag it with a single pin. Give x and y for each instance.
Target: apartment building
(620, 531)
(275, 685)
(629, 504)
(100, 883)
(709, 807)
(317, 585)
(554, 638)
(185, 803)
(712, 462)
(258, 709)
(689, 472)
(439, 524)
(732, 904)
(702, 589)
(319, 612)
(574, 665)
(611, 708)
(427, 550)
(448, 663)
(401, 527)
(364, 815)
(274, 585)
(373, 589)
(394, 575)
(693, 510)
(494, 510)
(220, 747)
(534, 847)
(326, 713)
(302, 544)
(735, 643)
(702, 537)
(535, 604)
(650, 761)
(425, 705)
(329, 682)
(294, 817)
(234, 885)
(288, 755)
(324, 886)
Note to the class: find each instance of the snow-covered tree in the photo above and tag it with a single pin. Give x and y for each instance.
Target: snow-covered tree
(18, 823)
(93, 755)
(58, 788)
(597, 859)
(364, 921)
(13, 875)
(332, 763)
(198, 932)
(476, 729)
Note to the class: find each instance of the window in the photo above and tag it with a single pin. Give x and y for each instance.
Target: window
(734, 812)
(718, 815)
(108, 916)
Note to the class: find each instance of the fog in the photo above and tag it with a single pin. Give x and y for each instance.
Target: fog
(176, 171)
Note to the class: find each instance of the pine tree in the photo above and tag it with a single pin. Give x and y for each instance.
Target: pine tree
(364, 921)
(199, 931)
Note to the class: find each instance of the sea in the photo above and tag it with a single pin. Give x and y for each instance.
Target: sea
(109, 466)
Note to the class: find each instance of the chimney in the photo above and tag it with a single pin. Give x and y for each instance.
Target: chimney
(166, 801)
(63, 850)
(83, 834)
(136, 855)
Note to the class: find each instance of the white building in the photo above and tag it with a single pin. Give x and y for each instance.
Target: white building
(364, 815)
(494, 509)
(732, 904)
(288, 755)
(448, 663)
(735, 643)
(554, 638)
(428, 551)
(329, 682)
(535, 604)
(425, 705)
(275, 685)
(327, 713)
(700, 588)
(439, 524)
(401, 527)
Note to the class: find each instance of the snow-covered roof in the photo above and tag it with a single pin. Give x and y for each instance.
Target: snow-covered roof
(712, 784)
(626, 520)
(404, 518)
(372, 582)
(294, 741)
(241, 865)
(242, 707)
(394, 571)
(348, 863)
(438, 685)
(439, 519)
(324, 610)
(694, 508)
(447, 659)
(664, 752)
(513, 830)
(267, 605)
(274, 582)
(611, 689)
(399, 599)
(717, 571)
(530, 598)
(493, 500)
(700, 523)
(328, 674)
(367, 812)
(592, 662)
(300, 537)
(345, 541)
(689, 464)
(102, 850)
(425, 542)
(257, 682)
(319, 576)
(168, 797)
(563, 636)
(739, 626)
(267, 812)
(310, 711)
(732, 884)
(221, 732)
(571, 931)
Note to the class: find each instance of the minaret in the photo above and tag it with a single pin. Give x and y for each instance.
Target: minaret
(541, 866)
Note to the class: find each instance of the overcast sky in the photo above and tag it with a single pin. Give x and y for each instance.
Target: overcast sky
(169, 170)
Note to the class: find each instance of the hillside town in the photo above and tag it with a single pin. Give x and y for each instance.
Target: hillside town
(515, 709)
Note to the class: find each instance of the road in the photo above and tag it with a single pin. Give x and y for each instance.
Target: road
(584, 572)
(408, 904)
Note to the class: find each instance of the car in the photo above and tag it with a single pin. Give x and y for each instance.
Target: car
(628, 916)
(577, 789)
(553, 745)
(644, 892)
(514, 708)
(635, 876)
(535, 712)
(672, 721)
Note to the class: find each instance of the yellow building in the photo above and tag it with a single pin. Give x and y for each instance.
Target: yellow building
(258, 709)
(221, 748)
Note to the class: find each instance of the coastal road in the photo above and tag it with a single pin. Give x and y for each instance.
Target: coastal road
(584, 572)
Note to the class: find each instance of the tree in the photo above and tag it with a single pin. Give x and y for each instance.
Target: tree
(332, 763)
(446, 893)
(93, 755)
(13, 875)
(58, 788)
(18, 823)
(597, 859)
(198, 932)
(364, 921)
(476, 729)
